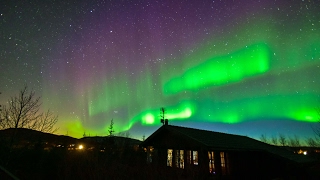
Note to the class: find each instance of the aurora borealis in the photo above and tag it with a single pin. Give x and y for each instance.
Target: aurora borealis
(245, 67)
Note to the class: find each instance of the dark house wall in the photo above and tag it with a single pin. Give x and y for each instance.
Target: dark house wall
(243, 163)
(175, 141)
(169, 140)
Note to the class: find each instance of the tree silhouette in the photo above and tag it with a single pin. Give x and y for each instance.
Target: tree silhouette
(274, 140)
(294, 141)
(0, 114)
(282, 140)
(23, 111)
(311, 142)
(111, 130)
(46, 122)
(264, 138)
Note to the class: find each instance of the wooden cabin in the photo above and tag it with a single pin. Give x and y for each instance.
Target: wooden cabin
(204, 154)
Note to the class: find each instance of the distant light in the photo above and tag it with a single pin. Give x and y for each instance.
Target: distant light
(305, 152)
(80, 146)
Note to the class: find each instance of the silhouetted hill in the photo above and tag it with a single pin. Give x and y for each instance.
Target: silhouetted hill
(115, 140)
(32, 136)
(26, 137)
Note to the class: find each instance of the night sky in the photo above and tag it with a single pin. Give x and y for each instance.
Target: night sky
(244, 67)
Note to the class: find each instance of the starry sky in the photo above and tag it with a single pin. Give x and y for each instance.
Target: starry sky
(242, 67)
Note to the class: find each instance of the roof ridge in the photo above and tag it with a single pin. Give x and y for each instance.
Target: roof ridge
(211, 131)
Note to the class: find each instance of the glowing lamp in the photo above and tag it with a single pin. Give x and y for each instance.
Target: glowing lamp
(80, 146)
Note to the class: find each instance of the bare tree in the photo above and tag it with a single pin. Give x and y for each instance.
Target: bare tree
(127, 134)
(312, 142)
(23, 111)
(1, 118)
(46, 122)
(274, 140)
(264, 138)
(282, 140)
(294, 141)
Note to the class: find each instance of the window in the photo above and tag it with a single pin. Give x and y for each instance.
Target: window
(179, 158)
(169, 158)
(192, 157)
(189, 157)
(149, 154)
(224, 164)
(195, 157)
(211, 162)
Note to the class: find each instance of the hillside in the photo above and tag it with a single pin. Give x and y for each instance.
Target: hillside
(24, 136)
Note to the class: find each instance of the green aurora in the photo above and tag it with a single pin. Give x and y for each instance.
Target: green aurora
(264, 66)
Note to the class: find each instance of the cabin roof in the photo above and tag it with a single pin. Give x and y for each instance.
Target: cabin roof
(224, 141)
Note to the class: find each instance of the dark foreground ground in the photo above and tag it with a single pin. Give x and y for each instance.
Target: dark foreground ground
(64, 164)
(83, 165)
(47, 156)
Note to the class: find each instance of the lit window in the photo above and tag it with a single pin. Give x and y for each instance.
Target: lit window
(224, 165)
(169, 158)
(211, 162)
(192, 157)
(179, 158)
(195, 157)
